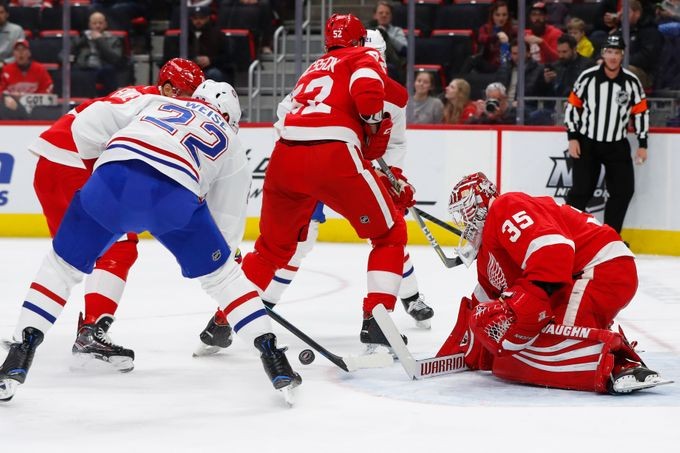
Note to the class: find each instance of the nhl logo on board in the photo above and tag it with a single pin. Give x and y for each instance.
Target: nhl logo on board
(622, 98)
(560, 180)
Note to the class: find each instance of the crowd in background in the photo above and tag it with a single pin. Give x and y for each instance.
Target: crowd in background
(483, 87)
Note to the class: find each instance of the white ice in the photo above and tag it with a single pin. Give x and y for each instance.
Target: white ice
(172, 402)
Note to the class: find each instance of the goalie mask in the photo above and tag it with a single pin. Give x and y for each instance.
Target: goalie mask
(468, 206)
(223, 97)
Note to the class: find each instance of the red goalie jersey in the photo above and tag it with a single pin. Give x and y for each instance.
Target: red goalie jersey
(538, 240)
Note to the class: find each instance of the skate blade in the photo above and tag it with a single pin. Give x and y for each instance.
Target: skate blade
(624, 386)
(289, 392)
(92, 362)
(424, 324)
(204, 350)
(8, 388)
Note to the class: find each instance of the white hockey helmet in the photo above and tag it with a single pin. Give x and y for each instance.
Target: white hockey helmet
(375, 40)
(222, 96)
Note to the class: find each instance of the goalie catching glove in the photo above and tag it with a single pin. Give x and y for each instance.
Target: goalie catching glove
(512, 322)
(402, 197)
(376, 142)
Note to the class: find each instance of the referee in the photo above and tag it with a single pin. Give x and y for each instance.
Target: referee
(598, 109)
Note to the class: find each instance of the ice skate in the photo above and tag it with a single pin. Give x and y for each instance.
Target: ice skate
(419, 310)
(634, 377)
(372, 336)
(93, 343)
(215, 337)
(17, 363)
(276, 366)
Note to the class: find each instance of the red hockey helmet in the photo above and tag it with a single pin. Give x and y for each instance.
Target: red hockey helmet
(469, 204)
(344, 30)
(184, 76)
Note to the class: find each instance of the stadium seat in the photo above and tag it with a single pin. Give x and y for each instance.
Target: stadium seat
(590, 13)
(449, 48)
(47, 47)
(424, 19)
(27, 17)
(459, 16)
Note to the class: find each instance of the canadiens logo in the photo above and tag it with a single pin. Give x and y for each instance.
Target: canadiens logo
(622, 98)
(560, 180)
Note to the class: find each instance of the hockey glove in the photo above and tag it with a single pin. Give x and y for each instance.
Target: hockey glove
(376, 143)
(512, 322)
(403, 197)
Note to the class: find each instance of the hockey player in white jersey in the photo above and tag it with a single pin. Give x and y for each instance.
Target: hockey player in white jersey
(159, 173)
(216, 335)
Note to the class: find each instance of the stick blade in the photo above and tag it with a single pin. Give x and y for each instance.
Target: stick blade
(376, 360)
(392, 334)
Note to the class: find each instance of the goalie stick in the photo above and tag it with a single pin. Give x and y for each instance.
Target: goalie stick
(347, 363)
(448, 261)
(439, 222)
(416, 369)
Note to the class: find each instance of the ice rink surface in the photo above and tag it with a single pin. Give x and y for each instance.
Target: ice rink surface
(172, 402)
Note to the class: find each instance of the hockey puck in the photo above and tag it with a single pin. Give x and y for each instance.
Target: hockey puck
(306, 356)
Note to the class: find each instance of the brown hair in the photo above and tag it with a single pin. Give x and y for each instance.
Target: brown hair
(453, 109)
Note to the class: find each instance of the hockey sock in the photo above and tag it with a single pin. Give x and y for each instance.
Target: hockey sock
(239, 301)
(104, 287)
(409, 283)
(384, 277)
(47, 295)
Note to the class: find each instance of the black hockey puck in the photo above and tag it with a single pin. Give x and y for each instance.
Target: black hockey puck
(306, 356)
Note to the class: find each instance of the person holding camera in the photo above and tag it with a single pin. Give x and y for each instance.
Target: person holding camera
(603, 99)
(494, 108)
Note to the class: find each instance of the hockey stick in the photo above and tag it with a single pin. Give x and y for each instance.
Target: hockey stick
(439, 222)
(448, 262)
(347, 363)
(416, 369)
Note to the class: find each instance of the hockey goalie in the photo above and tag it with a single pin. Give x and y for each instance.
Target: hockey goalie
(551, 280)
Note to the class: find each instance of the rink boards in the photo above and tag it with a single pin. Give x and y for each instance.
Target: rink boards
(532, 160)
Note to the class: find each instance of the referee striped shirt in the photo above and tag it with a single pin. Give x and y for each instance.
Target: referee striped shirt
(599, 107)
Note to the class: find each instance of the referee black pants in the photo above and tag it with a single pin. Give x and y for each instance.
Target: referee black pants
(619, 178)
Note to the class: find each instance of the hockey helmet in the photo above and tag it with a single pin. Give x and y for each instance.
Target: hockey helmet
(344, 30)
(223, 97)
(375, 40)
(468, 205)
(184, 76)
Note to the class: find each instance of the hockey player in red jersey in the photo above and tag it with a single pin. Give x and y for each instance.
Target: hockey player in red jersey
(60, 172)
(217, 333)
(335, 127)
(551, 280)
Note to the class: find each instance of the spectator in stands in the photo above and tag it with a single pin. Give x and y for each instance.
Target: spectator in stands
(265, 30)
(122, 12)
(645, 44)
(99, 51)
(494, 108)
(9, 34)
(424, 108)
(541, 36)
(205, 45)
(668, 11)
(561, 75)
(394, 38)
(23, 76)
(458, 108)
(534, 85)
(34, 3)
(494, 38)
(577, 28)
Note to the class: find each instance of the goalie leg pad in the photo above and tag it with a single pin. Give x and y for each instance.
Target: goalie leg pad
(462, 339)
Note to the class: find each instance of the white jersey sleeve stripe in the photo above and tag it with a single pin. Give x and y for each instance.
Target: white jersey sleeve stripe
(364, 73)
(545, 241)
